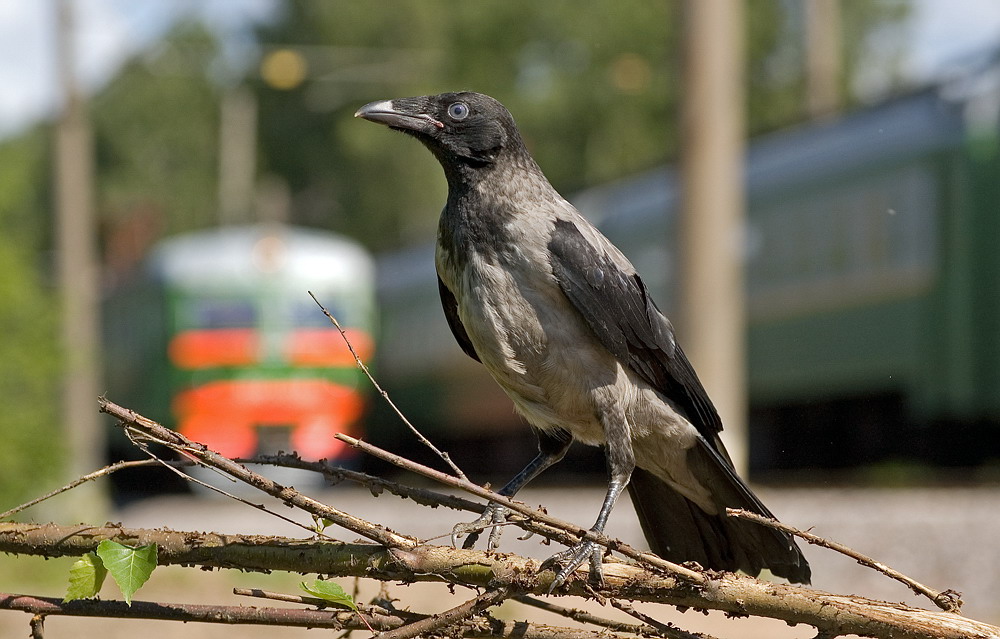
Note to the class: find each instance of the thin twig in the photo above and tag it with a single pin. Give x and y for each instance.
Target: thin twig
(667, 630)
(292, 497)
(310, 601)
(426, 442)
(949, 600)
(583, 616)
(449, 617)
(38, 626)
(374, 484)
(180, 612)
(421, 496)
(528, 512)
(153, 457)
(293, 617)
(107, 470)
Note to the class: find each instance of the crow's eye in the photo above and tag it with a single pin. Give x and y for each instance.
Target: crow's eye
(458, 111)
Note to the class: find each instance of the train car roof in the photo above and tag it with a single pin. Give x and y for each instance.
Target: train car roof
(907, 126)
(235, 255)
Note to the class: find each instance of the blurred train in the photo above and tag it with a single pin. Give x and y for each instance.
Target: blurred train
(873, 278)
(219, 338)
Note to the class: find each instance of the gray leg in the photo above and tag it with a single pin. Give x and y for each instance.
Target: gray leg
(552, 447)
(621, 463)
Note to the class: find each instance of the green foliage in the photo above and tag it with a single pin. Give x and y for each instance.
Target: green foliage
(156, 134)
(595, 90)
(29, 429)
(86, 577)
(329, 591)
(320, 524)
(129, 567)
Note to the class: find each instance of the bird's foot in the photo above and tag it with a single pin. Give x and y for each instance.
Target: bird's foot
(569, 560)
(494, 517)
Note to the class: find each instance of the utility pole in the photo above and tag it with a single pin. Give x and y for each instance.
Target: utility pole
(237, 154)
(712, 308)
(823, 57)
(79, 280)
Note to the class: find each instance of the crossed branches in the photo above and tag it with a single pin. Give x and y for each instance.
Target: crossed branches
(396, 556)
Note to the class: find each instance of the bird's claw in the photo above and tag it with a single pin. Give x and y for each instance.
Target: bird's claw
(493, 517)
(571, 559)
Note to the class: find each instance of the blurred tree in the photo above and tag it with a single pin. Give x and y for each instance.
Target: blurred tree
(156, 130)
(594, 90)
(30, 456)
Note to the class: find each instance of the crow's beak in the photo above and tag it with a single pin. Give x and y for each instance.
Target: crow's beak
(397, 117)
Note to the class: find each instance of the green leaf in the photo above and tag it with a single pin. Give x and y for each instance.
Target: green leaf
(329, 591)
(86, 577)
(321, 523)
(130, 567)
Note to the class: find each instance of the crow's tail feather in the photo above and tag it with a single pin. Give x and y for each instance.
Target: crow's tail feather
(678, 530)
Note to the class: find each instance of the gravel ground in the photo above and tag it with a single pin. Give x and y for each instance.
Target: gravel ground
(944, 537)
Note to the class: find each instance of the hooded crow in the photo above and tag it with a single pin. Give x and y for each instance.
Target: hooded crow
(565, 325)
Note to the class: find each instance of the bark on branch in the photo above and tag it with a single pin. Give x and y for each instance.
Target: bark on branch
(267, 616)
(735, 594)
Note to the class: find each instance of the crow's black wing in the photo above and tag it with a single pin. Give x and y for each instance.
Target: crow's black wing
(450, 305)
(617, 307)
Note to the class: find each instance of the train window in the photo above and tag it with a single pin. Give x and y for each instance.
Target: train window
(308, 315)
(217, 313)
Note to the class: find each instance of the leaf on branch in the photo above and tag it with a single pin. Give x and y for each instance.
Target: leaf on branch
(321, 523)
(329, 591)
(129, 567)
(86, 577)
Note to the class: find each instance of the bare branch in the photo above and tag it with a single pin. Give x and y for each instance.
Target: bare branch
(276, 617)
(583, 616)
(107, 470)
(450, 617)
(426, 442)
(316, 601)
(530, 513)
(734, 594)
(183, 612)
(375, 484)
(667, 630)
(208, 457)
(948, 600)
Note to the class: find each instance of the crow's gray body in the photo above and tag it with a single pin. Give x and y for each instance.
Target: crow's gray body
(563, 323)
(535, 344)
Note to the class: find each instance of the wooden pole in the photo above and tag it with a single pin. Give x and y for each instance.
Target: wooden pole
(237, 155)
(711, 311)
(823, 57)
(79, 281)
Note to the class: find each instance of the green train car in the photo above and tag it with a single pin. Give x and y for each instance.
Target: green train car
(220, 339)
(873, 284)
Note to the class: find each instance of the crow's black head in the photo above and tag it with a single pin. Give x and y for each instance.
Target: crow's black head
(469, 126)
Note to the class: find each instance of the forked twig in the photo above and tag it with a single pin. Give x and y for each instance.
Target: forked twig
(667, 630)
(537, 516)
(449, 617)
(496, 629)
(374, 484)
(102, 472)
(149, 428)
(144, 438)
(585, 617)
(426, 442)
(949, 600)
(308, 601)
